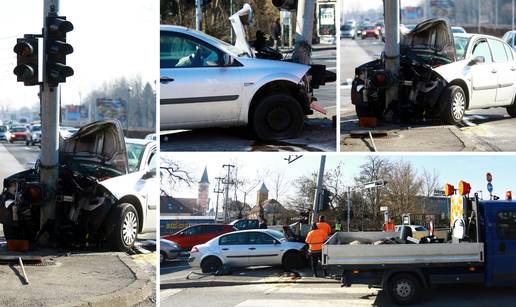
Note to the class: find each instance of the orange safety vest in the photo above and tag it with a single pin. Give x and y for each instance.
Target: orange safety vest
(388, 227)
(324, 226)
(315, 239)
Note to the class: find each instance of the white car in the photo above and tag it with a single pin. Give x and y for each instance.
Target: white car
(456, 30)
(510, 38)
(205, 82)
(441, 75)
(244, 248)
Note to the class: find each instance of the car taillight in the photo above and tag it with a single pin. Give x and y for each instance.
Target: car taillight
(380, 79)
(194, 250)
(376, 32)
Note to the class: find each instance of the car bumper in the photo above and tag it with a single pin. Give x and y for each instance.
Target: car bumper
(194, 261)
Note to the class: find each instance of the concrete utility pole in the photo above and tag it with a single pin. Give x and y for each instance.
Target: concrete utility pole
(227, 182)
(349, 206)
(198, 15)
(513, 4)
(217, 191)
(304, 29)
(318, 190)
(49, 130)
(479, 16)
(392, 46)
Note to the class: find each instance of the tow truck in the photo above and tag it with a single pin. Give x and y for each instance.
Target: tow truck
(480, 249)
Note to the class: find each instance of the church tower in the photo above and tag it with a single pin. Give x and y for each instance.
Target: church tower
(262, 194)
(204, 192)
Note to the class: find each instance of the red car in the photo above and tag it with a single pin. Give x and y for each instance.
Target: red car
(17, 134)
(198, 234)
(370, 31)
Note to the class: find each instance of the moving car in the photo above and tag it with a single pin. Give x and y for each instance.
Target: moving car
(17, 133)
(198, 234)
(348, 31)
(101, 194)
(205, 82)
(441, 76)
(4, 133)
(510, 38)
(33, 135)
(168, 250)
(244, 248)
(370, 31)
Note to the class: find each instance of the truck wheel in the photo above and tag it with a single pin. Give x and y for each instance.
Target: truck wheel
(277, 116)
(211, 265)
(453, 105)
(292, 260)
(404, 289)
(124, 219)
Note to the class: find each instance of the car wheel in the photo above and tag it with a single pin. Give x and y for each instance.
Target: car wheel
(162, 257)
(511, 110)
(404, 289)
(277, 116)
(293, 260)
(211, 265)
(453, 105)
(124, 219)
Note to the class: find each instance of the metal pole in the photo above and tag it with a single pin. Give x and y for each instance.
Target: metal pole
(496, 12)
(317, 197)
(479, 15)
(218, 191)
(513, 4)
(198, 15)
(49, 131)
(349, 206)
(392, 46)
(304, 28)
(231, 14)
(227, 182)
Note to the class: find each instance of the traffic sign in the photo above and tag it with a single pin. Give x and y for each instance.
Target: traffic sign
(490, 187)
(489, 177)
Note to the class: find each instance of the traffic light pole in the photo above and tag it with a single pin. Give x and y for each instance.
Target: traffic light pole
(304, 28)
(49, 131)
(320, 177)
(392, 46)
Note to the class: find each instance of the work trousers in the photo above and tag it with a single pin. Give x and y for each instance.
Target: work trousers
(315, 257)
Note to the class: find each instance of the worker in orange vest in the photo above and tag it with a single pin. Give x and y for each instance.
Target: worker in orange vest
(323, 225)
(315, 240)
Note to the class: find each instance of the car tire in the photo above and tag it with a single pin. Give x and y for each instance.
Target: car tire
(511, 110)
(277, 116)
(125, 223)
(453, 105)
(211, 265)
(293, 260)
(162, 257)
(404, 289)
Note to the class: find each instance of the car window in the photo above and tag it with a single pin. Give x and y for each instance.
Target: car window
(234, 239)
(510, 53)
(420, 228)
(3, 129)
(212, 228)
(152, 161)
(461, 44)
(134, 155)
(509, 38)
(277, 234)
(191, 231)
(260, 238)
(499, 54)
(506, 225)
(482, 49)
(182, 52)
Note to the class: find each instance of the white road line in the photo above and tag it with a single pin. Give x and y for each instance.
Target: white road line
(305, 303)
(323, 291)
(169, 292)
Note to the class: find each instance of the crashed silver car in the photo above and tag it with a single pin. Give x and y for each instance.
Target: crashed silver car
(90, 204)
(441, 76)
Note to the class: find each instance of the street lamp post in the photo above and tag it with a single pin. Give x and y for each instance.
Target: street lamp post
(128, 111)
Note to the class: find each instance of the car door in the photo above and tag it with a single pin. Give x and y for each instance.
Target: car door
(484, 77)
(196, 90)
(501, 247)
(506, 73)
(263, 250)
(234, 248)
(152, 184)
(191, 236)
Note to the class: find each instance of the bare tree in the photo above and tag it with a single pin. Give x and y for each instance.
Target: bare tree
(173, 174)
(279, 184)
(430, 182)
(403, 188)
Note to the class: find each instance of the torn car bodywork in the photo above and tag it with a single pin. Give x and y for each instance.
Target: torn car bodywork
(95, 153)
(429, 45)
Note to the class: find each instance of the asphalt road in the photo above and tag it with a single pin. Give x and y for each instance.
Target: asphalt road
(318, 133)
(26, 156)
(482, 130)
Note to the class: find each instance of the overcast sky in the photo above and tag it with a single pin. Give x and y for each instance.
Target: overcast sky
(364, 5)
(111, 39)
(451, 169)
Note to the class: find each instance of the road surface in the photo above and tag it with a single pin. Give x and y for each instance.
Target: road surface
(482, 130)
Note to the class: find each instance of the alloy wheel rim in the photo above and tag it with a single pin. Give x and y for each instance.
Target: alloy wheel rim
(129, 228)
(458, 105)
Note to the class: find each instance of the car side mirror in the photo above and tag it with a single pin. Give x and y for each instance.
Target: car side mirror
(227, 60)
(276, 242)
(477, 60)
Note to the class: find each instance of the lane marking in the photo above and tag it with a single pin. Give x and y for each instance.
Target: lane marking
(306, 303)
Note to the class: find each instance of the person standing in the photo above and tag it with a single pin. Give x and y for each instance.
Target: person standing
(276, 33)
(263, 224)
(315, 240)
(323, 225)
(338, 226)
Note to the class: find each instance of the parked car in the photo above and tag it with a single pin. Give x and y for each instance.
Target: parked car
(244, 248)
(458, 30)
(205, 82)
(348, 31)
(370, 31)
(417, 231)
(198, 234)
(4, 133)
(168, 250)
(17, 133)
(510, 38)
(100, 195)
(33, 135)
(246, 224)
(440, 78)
(66, 132)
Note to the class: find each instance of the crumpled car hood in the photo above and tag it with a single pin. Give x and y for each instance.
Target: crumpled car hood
(240, 36)
(433, 34)
(99, 142)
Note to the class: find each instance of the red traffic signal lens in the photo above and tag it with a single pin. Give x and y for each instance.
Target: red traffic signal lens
(508, 195)
(449, 189)
(464, 188)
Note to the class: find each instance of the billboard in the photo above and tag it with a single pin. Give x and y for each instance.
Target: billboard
(107, 108)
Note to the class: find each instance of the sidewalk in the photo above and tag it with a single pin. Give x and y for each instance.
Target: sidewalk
(8, 164)
(100, 279)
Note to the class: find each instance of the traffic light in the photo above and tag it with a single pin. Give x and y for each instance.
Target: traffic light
(27, 63)
(464, 188)
(56, 50)
(325, 200)
(286, 5)
(449, 190)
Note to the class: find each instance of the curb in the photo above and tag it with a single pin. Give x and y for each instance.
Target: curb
(225, 283)
(140, 289)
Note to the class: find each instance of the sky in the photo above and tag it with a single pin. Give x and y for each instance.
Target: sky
(111, 39)
(361, 5)
(451, 169)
